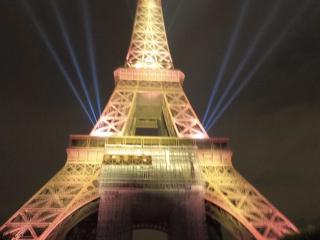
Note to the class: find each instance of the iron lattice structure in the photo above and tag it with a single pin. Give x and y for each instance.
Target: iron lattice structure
(148, 97)
(149, 46)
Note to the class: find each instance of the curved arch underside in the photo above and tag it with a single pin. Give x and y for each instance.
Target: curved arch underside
(76, 185)
(214, 212)
(228, 190)
(90, 211)
(69, 196)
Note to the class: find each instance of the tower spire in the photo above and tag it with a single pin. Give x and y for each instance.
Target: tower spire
(149, 47)
(149, 161)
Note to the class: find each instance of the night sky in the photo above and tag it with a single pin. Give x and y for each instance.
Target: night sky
(273, 126)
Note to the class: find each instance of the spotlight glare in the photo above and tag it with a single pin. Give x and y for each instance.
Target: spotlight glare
(71, 51)
(91, 52)
(244, 61)
(234, 36)
(256, 67)
(55, 57)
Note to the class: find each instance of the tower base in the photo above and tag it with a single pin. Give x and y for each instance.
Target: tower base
(179, 212)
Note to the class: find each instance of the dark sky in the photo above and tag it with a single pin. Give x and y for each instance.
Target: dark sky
(274, 125)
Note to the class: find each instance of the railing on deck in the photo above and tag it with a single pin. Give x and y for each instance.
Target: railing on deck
(90, 141)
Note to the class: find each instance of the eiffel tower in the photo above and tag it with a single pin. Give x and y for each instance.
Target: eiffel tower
(148, 163)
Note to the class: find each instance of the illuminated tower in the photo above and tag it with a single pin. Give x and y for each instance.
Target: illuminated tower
(148, 162)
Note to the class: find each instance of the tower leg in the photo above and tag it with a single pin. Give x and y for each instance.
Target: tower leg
(187, 220)
(114, 221)
(179, 212)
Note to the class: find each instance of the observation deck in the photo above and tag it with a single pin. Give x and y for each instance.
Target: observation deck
(205, 152)
(84, 141)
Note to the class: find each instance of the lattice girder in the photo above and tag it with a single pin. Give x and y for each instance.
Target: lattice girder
(114, 118)
(77, 185)
(186, 122)
(149, 47)
(149, 69)
(68, 190)
(177, 110)
(237, 229)
(228, 190)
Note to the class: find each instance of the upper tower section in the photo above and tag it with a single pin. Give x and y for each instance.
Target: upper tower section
(149, 47)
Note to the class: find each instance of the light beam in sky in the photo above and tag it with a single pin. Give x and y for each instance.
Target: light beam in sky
(73, 56)
(91, 52)
(257, 66)
(55, 57)
(257, 39)
(222, 70)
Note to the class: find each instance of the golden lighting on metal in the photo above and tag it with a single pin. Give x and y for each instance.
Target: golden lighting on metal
(180, 155)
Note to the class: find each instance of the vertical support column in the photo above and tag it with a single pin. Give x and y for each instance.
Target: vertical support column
(188, 217)
(114, 221)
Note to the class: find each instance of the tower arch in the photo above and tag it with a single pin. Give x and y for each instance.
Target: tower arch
(183, 158)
